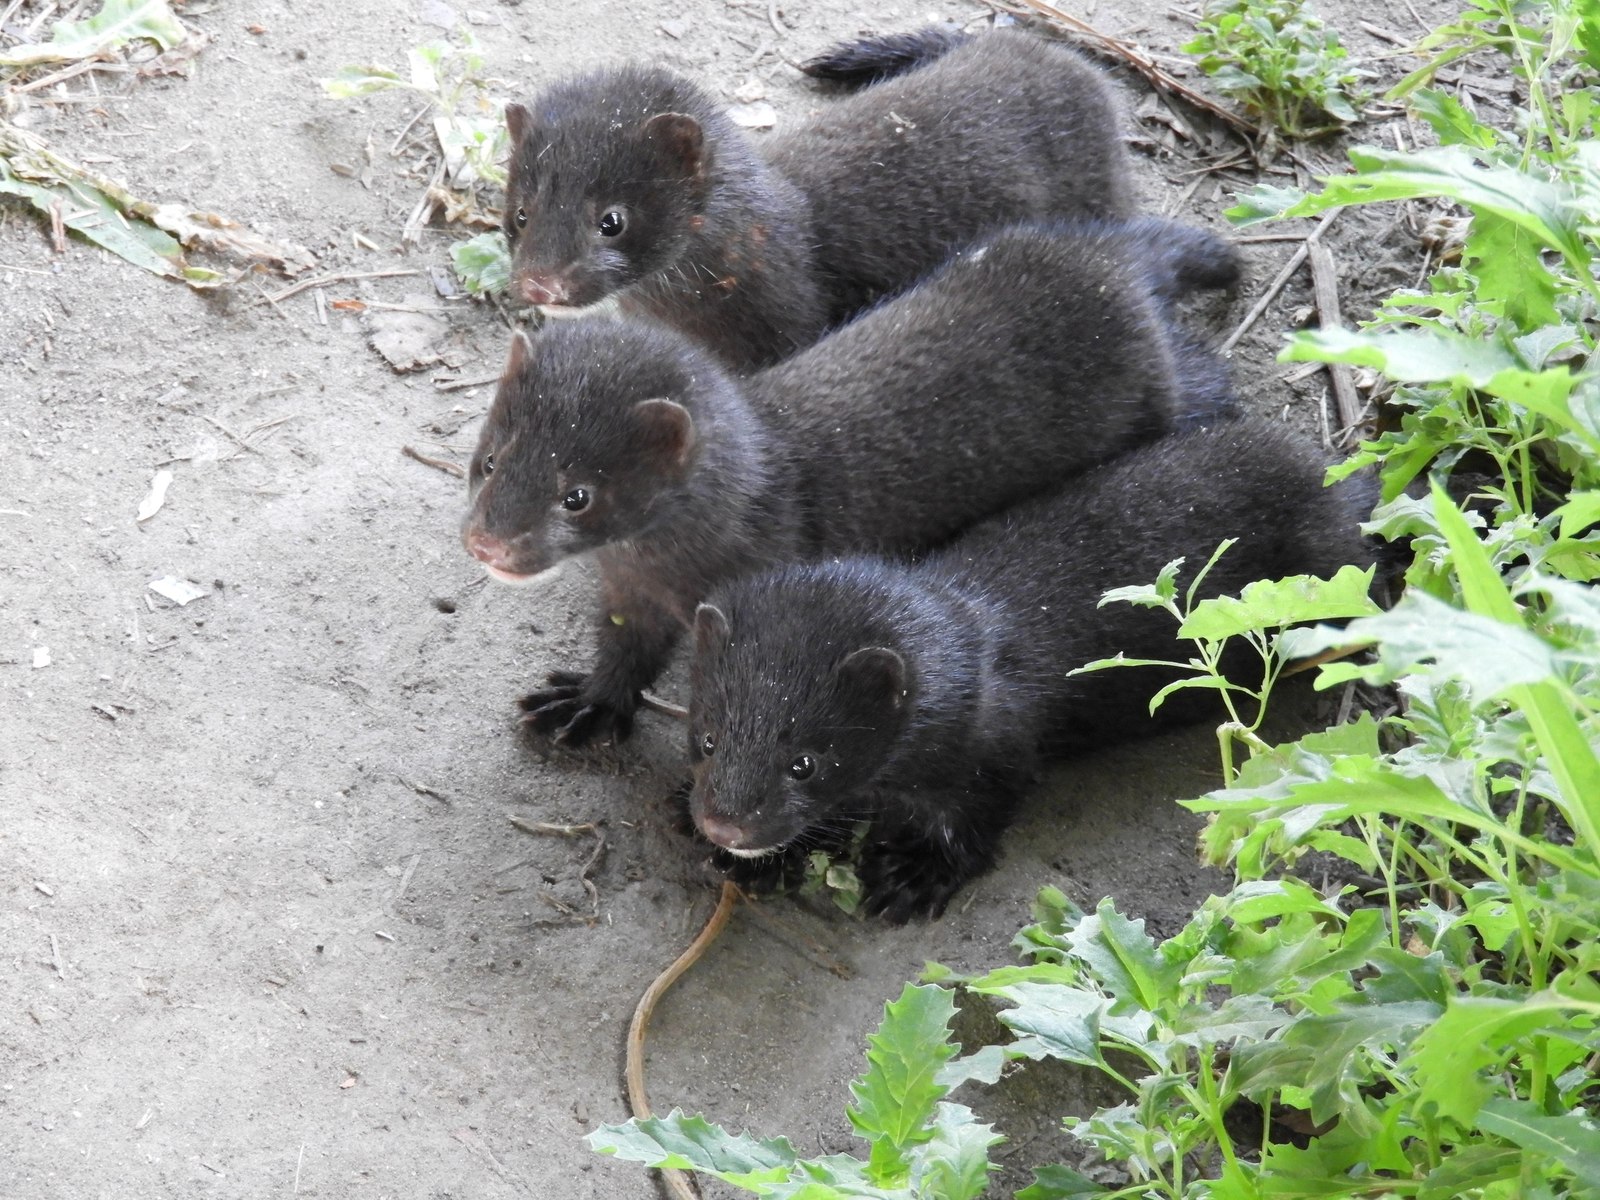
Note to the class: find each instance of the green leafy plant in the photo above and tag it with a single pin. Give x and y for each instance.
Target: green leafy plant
(920, 1144)
(1280, 62)
(115, 24)
(483, 263)
(470, 128)
(1259, 615)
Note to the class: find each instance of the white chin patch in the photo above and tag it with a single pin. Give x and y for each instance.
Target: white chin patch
(548, 575)
(565, 312)
(750, 853)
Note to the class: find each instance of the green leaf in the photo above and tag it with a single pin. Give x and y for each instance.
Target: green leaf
(1334, 1077)
(1581, 510)
(1125, 960)
(1570, 1139)
(1470, 1169)
(1424, 634)
(1474, 1034)
(1060, 1183)
(1512, 280)
(1567, 751)
(117, 23)
(1052, 1021)
(954, 1164)
(349, 82)
(894, 1099)
(93, 215)
(693, 1144)
(1408, 357)
(1548, 211)
(1269, 604)
(1451, 120)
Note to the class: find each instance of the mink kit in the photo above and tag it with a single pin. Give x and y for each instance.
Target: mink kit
(625, 439)
(926, 698)
(632, 179)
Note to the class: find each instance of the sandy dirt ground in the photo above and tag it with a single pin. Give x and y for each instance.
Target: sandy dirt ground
(266, 928)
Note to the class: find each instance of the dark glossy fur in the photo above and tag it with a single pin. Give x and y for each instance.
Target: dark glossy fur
(928, 696)
(1020, 363)
(756, 253)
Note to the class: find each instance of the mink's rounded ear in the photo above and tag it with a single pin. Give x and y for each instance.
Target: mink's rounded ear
(521, 348)
(518, 121)
(711, 629)
(875, 674)
(667, 429)
(681, 141)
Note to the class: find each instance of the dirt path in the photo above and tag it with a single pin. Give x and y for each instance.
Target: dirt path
(267, 929)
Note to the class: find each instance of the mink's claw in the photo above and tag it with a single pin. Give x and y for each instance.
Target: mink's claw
(561, 712)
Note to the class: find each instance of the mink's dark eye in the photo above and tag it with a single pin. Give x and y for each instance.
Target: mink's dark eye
(612, 223)
(576, 500)
(488, 464)
(708, 745)
(803, 767)
(522, 218)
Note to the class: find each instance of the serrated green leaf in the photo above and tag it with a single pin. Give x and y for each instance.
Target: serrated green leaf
(1052, 1021)
(1475, 1033)
(954, 1164)
(686, 1143)
(117, 23)
(1125, 959)
(1451, 120)
(1512, 281)
(1407, 357)
(1581, 510)
(981, 1066)
(1570, 1139)
(1427, 635)
(1269, 604)
(894, 1099)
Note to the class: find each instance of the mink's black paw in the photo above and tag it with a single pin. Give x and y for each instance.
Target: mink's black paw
(907, 883)
(565, 714)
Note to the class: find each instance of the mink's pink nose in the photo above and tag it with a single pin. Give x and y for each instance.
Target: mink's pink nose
(722, 832)
(543, 291)
(488, 549)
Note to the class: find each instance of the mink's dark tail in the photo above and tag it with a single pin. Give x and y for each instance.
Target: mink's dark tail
(1183, 258)
(859, 64)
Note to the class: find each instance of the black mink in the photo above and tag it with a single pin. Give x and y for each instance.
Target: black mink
(1023, 361)
(632, 180)
(925, 698)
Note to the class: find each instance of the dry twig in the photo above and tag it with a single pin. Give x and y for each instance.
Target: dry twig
(1276, 286)
(442, 464)
(1325, 289)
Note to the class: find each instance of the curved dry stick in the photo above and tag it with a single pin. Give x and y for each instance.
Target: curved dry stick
(678, 1182)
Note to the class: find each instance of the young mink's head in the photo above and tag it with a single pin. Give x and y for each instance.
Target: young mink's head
(588, 431)
(796, 704)
(608, 180)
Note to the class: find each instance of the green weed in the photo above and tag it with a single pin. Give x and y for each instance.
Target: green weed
(1280, 62)
(469, 125)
